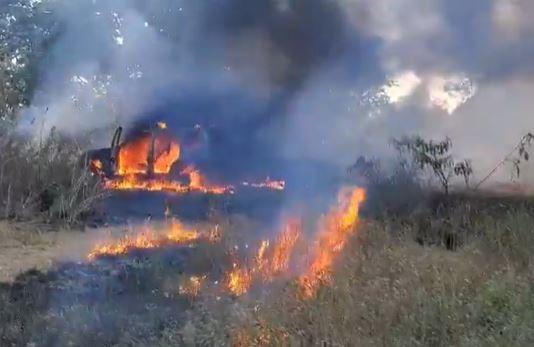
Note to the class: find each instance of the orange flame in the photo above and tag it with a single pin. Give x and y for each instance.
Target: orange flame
(133, 157)
(134, 182)
(164, 159)
(96, 166)
(268, 263)
(331, 239)
(176, 234)
(156, 153)
(283, 249)
(239, 280)
(179, 234)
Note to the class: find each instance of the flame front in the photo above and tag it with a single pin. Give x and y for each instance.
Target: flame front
(134, 156)
(331, 239)
(175, 234)
(179, 234)
(144, 240)
(268, 263)
(283, 250)
(239, 280)
(136, 182)
(273, 259)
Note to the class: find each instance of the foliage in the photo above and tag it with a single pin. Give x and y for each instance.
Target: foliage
(26, 29)
(44, 178)
(435, 156)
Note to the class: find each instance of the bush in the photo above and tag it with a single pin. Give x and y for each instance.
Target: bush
(44, 178)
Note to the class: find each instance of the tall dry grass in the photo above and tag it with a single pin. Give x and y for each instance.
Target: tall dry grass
(390, 290)
(44, 178)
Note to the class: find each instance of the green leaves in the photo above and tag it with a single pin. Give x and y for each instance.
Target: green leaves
(434, 156)
(25, 29)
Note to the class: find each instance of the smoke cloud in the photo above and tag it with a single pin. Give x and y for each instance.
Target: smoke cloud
(321, 80)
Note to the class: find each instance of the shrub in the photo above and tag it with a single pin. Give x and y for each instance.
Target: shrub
(45, 178)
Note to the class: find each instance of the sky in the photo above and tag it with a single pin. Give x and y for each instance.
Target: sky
(322, 80)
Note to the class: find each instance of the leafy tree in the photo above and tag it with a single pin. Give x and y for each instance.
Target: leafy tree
(26, 27)
(435, 156)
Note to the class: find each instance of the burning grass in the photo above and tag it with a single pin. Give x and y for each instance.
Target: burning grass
(382, 287)
(272, 260)
(389, 290)
(174, 233)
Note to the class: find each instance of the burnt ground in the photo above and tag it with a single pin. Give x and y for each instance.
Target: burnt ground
(124, 299)
(95, 303)
(127, 207)
(52, 296)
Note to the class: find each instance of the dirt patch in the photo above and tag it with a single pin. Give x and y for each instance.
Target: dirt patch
(25, 246)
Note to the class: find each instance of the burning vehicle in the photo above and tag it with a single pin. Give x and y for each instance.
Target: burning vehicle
(151, 161)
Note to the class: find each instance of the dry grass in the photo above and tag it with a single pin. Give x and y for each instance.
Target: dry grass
(388, 290)
(44, 178)
(391, 291)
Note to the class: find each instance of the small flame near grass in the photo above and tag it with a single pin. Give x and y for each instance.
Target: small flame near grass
(273, 259)
(270, 261)
(175, 233)
(335, 229)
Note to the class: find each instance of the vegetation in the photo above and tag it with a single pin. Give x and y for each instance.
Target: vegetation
(44, 178)
(425, 269)
(388, 289)
(436, 157)
(26, 30)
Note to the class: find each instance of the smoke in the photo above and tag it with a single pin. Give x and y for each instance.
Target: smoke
(321, 80)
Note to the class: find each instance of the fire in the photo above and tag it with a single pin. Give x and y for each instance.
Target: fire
(165, 159)
(268, 184)
(144, 240)
(156, 153)
(239, 280)
(174, 234)
(331, 239)
(134, 156)
(261, 262)
(96, 167)
(180, 234)
(268, 263)
(273, 260)
(135, 182)
(146, 162)
(283, 249)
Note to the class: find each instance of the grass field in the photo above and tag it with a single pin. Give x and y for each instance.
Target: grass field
(460, 275)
